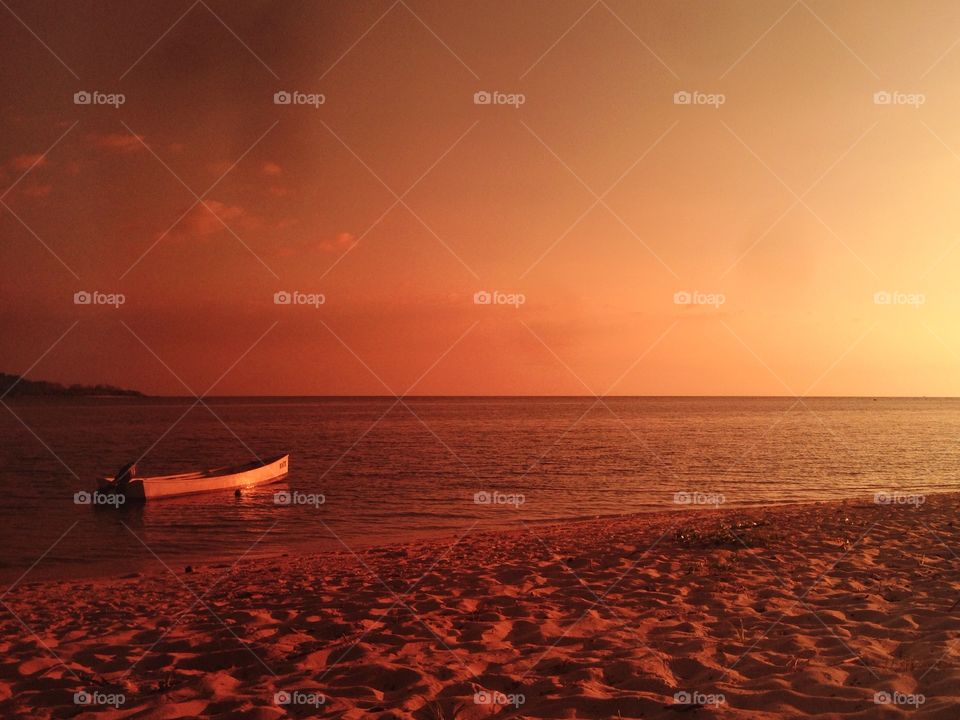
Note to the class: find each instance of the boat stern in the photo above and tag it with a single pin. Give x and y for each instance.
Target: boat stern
(133, 490)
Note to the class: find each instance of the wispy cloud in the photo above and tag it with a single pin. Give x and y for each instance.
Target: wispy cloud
(202, 221)
(25, 162)
(341, 242)
(119, 142)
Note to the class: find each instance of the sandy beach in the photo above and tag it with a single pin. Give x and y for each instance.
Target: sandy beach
(829, 609)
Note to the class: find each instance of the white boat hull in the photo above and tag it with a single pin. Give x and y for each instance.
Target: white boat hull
(228, 478)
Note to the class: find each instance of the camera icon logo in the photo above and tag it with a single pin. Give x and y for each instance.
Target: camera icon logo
(281, 698)
(282, 497)
(82, 98)
(82, 698)
(882, 97)
(682, 297)
(82, 498)
(282, 97)
(482, 297)
(482, 97)
(682, 97)
(882, 297)
(282, 297)
(82, 297)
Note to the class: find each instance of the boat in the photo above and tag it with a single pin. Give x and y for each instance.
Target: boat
(237, 477)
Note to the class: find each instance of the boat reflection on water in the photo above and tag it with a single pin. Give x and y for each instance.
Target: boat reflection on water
(128, 531)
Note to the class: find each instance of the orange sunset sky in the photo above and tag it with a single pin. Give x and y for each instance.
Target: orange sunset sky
(798, 199)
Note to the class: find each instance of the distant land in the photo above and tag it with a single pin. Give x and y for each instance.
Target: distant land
(16, 386)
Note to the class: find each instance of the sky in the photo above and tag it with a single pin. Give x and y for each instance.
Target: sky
(494, 198)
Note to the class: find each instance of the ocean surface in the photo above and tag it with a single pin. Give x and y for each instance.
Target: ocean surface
(371, 470)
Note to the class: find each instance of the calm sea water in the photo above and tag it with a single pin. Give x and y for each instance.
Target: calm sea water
(390, 472)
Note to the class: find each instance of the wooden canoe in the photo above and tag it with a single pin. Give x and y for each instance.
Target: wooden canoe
(226, 478)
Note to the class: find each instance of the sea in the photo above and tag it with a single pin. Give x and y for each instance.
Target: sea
(374, 471)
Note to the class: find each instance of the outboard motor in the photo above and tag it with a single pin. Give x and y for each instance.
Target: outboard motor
(124, 475)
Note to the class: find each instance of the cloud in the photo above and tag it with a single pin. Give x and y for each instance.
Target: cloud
(271, 169)
(121, 142)
(25, 162)
(202, 222)
(24, 167)
(340, 242)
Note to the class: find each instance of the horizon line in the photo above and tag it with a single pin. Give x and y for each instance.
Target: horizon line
(143, 396)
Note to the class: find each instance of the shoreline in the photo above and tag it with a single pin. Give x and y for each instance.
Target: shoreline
(775, 611)
(317, 551)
